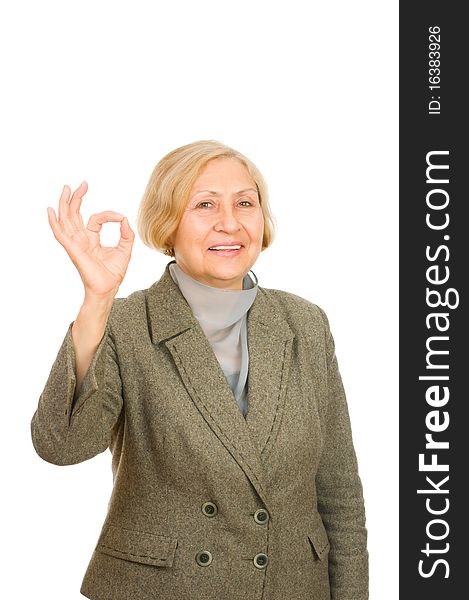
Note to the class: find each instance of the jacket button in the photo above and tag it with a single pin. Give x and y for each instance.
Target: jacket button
(209, 509)
(203, 558)
(261, 516)
(261, 560)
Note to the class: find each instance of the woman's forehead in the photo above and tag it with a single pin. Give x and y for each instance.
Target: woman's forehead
(215, 193)
(223, 171)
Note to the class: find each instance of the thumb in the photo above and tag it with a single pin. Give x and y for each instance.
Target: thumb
(127, 235)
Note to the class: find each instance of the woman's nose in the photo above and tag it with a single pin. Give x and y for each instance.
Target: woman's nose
(226, 220)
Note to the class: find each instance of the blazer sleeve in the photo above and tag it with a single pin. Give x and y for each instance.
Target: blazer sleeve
(339, 491)
(65, 431)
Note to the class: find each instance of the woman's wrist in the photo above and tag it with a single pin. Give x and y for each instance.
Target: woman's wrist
(90, 323)
(98, 304)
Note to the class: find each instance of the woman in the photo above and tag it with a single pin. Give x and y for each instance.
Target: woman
(235, 475)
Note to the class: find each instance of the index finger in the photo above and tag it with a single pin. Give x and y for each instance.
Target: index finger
(63, 203)
(77, 196)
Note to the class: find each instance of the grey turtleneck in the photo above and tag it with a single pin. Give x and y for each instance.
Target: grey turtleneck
(222, 315)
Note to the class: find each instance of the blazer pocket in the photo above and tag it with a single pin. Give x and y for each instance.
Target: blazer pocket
(320, 541)
(138, 546)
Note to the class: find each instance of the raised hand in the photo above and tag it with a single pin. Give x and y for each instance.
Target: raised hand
(101, 268)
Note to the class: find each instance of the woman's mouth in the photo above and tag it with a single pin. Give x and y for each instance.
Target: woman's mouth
(226, 250)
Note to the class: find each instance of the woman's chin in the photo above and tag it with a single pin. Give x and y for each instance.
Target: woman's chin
(225, 276)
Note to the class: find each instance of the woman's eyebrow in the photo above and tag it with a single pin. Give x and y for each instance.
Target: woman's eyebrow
(247, 190)
(217, 193)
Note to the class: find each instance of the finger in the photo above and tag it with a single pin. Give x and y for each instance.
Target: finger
(96, 221)
(55, 225)
(77, 197)
(51, 217)
(70, 220)
(127, 236)
(63, 203)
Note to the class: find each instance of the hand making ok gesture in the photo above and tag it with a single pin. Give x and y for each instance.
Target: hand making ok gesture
(101, 268)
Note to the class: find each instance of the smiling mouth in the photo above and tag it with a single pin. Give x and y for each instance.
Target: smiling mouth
(218, 248)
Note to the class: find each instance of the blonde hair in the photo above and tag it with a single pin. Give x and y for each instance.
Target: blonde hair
(170, 183)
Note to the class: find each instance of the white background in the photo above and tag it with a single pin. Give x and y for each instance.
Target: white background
(101, 91)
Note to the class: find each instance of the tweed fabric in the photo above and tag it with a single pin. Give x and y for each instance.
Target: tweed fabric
(156, 395)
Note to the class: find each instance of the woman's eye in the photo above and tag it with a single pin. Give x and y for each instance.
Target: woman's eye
(208, 203)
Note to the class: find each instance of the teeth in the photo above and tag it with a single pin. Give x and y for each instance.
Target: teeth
(225, 248)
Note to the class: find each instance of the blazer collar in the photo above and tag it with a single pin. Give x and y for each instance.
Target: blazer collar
(170, 314)
(249, 440)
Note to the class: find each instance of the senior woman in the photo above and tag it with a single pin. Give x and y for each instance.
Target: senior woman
(235, 475)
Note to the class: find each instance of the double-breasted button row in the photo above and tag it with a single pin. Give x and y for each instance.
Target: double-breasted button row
(204, 558)
(261, 516)
(210, 509)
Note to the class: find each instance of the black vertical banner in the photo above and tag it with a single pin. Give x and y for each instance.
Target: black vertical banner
(434, 357)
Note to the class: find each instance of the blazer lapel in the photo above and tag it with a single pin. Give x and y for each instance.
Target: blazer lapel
(248, 439)
(270, 341)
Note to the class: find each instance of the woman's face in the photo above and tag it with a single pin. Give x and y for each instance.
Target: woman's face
(223, 209)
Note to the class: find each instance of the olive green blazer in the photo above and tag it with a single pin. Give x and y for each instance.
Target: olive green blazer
(207, 504)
